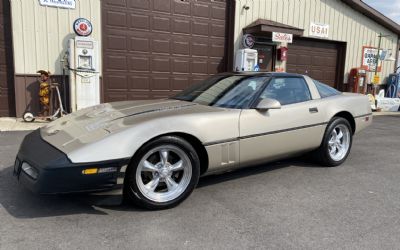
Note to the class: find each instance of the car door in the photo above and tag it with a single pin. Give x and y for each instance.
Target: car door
(276, 133)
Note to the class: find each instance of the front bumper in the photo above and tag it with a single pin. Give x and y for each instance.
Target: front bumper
(57, 174)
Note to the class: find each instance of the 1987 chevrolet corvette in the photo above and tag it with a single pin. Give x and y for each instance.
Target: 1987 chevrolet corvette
(153, 152)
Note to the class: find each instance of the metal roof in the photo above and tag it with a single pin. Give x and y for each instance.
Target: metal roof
(375, 15)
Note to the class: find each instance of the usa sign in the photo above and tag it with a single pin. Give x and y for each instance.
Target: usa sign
(319, 30)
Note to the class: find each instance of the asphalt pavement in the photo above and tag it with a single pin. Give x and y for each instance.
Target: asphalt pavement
(285, 205)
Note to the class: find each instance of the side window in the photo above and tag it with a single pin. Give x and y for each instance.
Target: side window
(287, 90)
(325, 90)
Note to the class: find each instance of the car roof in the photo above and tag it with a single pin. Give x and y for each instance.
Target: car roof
(257, 73)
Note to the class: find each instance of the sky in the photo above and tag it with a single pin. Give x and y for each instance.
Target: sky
(390, 8)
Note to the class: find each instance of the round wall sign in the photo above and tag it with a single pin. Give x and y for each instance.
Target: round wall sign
(248, 41)
(83, 27)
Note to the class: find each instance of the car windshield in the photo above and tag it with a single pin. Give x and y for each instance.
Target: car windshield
(234, 91)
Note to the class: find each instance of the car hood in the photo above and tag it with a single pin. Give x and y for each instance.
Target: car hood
(93, 123)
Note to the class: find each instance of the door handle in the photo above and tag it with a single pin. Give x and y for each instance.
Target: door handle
(313, 110)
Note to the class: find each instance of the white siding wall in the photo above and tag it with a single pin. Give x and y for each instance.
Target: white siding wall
(345, 25)
(41, 33)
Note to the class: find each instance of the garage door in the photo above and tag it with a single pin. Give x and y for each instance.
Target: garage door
(7, 103)
(154, 48)
(317, 59)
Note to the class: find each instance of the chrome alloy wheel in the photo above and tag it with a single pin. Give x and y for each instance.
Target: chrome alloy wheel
(164, 173)
(339, 142)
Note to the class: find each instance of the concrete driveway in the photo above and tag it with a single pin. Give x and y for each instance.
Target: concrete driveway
(285, 205)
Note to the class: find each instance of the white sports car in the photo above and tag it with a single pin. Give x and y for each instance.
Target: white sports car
(153, 152)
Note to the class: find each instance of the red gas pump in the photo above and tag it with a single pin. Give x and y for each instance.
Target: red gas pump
(282, 54)
(357, 80)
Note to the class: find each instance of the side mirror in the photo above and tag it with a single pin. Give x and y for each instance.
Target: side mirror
(268, 103)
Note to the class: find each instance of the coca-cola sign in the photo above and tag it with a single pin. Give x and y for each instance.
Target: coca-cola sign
(282, 37)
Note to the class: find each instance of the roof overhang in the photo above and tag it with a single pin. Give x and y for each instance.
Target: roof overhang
(374, 15)
(262, 26)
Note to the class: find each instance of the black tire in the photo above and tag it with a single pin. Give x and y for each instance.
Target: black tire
(132, 191)
(322, 154)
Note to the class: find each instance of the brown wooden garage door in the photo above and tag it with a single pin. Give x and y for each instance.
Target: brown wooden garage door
(317, 59)
(7, 103)
(153, 48)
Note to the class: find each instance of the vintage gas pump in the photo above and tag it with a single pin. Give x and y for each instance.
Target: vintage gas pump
(282, 54)
(246, 60)
(393, 86)
(84, 67)
(357, 80)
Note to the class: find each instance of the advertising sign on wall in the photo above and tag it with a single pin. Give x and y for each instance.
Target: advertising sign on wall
(369, 60)
(319, 30)
(248, 41)
(282, 37)
(82, 27)
(68, 4)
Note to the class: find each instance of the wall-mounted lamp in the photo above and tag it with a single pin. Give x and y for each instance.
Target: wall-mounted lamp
(246, 7)
(390, 56)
